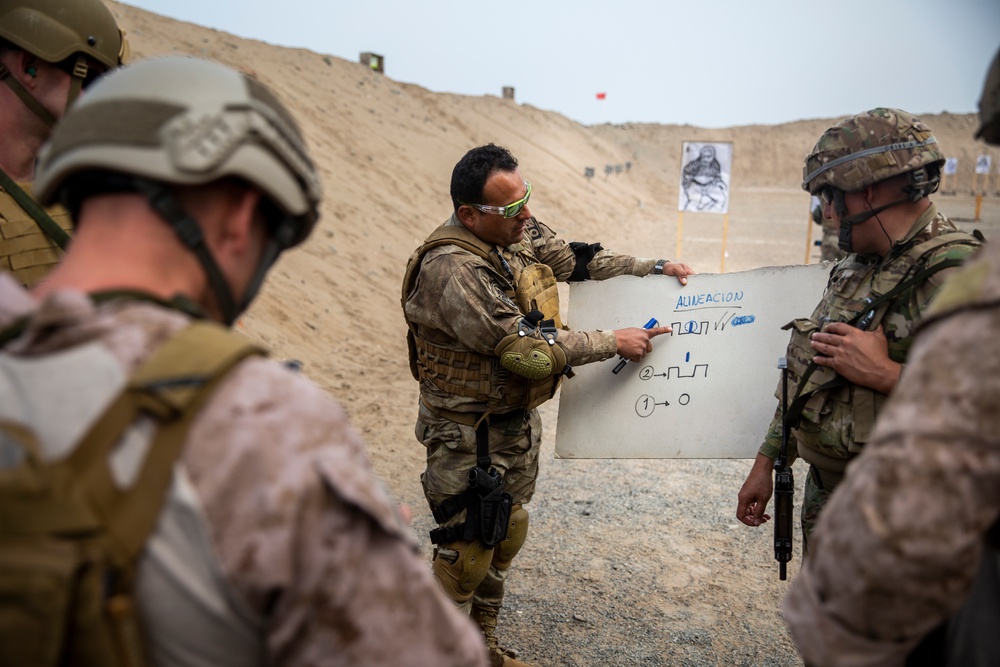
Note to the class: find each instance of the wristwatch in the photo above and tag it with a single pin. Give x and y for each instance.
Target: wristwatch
(658, 267)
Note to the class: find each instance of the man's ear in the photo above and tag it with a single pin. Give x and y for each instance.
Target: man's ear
(466, 215)
(871, 193)
(238, 213)
(25, 69)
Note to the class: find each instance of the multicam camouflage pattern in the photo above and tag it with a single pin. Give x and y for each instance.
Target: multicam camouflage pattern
(989, 106)
(868, 148)
(303, 535)
(464, 303)
(25, 250)
(815, 494)
(898, 546)
(837, 422)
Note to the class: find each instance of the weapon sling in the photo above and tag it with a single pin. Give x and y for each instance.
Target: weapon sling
(799, 402)
(51, 228)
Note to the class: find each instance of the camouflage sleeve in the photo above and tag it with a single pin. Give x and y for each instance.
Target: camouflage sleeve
(772, 441)
(898, 545)
(552, 250)
(476, 312)
(929, 288)
(309, 538)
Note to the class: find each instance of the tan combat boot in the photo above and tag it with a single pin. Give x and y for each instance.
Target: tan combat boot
(486, 617)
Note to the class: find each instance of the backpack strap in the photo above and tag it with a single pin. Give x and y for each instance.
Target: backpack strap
(51, 228)
(170, 388)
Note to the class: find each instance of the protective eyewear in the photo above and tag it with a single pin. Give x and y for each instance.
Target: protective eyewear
(826, 194)
(511, 210)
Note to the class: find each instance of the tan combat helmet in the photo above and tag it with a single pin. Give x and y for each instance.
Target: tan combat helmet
(184, 121)
(871, 147)
(62, 31)
(989, 106)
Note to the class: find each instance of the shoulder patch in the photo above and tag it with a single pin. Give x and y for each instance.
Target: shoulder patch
(532, 230)
(501, 294)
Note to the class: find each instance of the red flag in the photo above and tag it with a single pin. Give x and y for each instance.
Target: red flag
(601, 96)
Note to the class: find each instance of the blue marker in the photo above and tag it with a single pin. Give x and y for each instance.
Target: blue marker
(621, 364)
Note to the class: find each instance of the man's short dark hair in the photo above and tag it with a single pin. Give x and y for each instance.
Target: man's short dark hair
(469, 176)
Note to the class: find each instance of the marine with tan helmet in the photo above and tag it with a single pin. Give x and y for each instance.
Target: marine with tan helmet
(167, 495)
(50, 50)
(874, 172)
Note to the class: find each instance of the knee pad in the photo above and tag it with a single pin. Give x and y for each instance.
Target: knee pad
(460, 567)
(517, 532)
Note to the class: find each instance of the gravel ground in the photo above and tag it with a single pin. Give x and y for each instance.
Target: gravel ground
(642, 563)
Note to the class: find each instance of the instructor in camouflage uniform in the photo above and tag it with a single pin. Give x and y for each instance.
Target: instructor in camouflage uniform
(488, 347)
(49, 51)
(913, 535)
(874, 172)
(275, 544)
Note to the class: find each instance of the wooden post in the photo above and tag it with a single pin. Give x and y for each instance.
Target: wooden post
(680, 233)
(725, 235)
(809, 236)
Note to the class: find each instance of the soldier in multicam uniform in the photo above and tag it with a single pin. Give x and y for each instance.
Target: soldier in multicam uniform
(275, 544)
(49, 51)
(488, 347)
(913, 535)
(874, 172)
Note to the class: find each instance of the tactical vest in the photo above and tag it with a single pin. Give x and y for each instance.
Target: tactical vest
(70, 530)
(26, 250)
(833, 418)
(529, 283)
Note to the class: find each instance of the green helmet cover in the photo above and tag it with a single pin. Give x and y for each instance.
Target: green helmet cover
(870, 147)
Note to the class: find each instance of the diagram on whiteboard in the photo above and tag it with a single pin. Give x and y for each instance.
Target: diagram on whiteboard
(707, 388)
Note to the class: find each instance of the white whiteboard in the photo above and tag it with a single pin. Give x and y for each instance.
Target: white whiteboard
(707, 389)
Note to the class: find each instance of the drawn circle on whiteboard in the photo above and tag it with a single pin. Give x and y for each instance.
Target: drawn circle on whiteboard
(646, 373)
(644, 406)
(684, 399)
(691, 326)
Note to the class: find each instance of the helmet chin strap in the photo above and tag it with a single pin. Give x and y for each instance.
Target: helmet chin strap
(29, 100)
(847, 222)
(80, 69)
(163, 201)
(282, 238)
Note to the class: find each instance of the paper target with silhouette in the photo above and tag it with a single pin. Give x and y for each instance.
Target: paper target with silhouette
(707, 389)
(705, 176)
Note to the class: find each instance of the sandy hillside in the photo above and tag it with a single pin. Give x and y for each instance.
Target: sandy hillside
(657, 572)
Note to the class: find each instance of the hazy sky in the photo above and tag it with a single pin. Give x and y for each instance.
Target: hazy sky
(711, 63)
